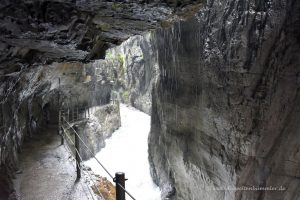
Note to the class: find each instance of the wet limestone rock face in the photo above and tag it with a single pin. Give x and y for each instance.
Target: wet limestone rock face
(225, 109)
(41, 41)
(47, 31)
(100, 125)
(135, 60)
(31, 100)
(137, 69)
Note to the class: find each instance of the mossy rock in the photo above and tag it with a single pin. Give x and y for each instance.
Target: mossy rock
(118, 7)
(125, 96)
(104, 26)
(166, 24)
(121, 60)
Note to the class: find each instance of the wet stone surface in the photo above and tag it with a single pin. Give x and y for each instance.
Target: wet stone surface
(47, 171)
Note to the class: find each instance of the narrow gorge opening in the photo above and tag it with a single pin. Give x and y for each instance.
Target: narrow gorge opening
(127, 151)
(219, 80)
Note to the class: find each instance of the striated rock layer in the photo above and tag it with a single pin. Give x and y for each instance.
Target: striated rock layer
(225, 110)
(135, 61)
(31, 100)
(101, 124)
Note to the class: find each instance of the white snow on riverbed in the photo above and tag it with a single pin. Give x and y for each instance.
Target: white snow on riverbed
(127, 151)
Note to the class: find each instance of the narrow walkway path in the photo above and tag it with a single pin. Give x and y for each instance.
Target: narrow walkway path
(48, 171)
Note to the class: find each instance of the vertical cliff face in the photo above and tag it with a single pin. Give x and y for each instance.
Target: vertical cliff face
(100, 125)
(225, 109)
(135, 61)
(31, 99)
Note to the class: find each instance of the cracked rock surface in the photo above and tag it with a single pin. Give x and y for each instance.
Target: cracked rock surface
(225, 110)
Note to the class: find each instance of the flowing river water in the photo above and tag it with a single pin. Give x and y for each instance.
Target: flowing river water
(127, 151)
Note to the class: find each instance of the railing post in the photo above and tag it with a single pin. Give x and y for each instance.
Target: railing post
(120, 180)
(77, 155)
(73, 114)
(3, 117)
(60, 131)
(77, 114)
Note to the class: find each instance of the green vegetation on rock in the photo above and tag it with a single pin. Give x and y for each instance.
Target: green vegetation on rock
(118, 6)
(121, 60)
(104, 26)
(125, 96)
(109, 55)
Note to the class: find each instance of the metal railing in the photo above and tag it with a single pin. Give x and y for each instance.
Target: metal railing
(77, 166)
(65, 124)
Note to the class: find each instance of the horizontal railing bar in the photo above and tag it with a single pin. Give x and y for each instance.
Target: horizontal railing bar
(81, 161)
(93, 155)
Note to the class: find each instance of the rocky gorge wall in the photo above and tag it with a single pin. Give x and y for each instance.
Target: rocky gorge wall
(225, 109)
(31, 100)
(42, 41)
(100, 125)
(222, 87)
(135, 60)
(136, 64)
